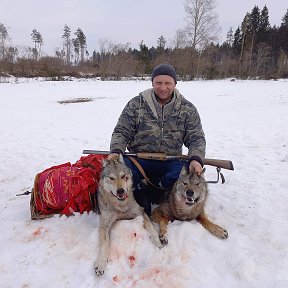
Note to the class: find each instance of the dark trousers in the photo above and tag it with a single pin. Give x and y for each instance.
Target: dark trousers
(160, 173)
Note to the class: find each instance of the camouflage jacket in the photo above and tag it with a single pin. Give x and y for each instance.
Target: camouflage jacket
(146, 126)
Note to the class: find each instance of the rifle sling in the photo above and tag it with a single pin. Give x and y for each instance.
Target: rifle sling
(141, 170)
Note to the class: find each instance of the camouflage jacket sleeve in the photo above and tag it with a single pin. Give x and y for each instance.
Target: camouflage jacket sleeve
(125, 128)
(194, 137)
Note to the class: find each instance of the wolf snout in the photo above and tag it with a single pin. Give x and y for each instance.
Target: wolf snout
(121, 194)
(120, 191)
(189, 193)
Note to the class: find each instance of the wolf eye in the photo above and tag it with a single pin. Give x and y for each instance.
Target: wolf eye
(123, 176)
(111, 178)
(185, 183)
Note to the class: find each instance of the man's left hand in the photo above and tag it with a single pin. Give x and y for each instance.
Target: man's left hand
(195, 166)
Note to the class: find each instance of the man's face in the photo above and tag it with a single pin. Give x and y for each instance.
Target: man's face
(163, 86)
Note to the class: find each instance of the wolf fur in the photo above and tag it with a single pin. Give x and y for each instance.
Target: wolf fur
(186, 202)
(116, 202)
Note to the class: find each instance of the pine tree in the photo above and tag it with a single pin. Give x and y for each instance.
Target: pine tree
(264, 26)
(67, 43)
(254, 24)
(161, 44)
(253, 29)
(264, 19)
(76, 46)
(81, 43)
(38, 42)
(4, 36)
(285, 20)
(283, 33)
(283, 43)
(229, 37)
(144, 57)
(236, 45)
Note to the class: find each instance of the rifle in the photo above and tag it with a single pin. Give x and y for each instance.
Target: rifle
(225, 164)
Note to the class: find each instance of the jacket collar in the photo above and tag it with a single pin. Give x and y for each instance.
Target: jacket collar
(148, 95)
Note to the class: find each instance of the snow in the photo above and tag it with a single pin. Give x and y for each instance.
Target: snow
(244, 121)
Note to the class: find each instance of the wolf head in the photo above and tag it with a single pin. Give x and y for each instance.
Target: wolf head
(190, 188)
(116, 178)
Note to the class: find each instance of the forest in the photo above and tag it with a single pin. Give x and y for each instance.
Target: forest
(256, 49)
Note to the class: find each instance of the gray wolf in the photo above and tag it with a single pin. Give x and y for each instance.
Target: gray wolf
(116, 202)
(186, 202)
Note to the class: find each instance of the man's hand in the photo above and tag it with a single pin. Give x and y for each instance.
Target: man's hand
(195, 166)
(113, 157)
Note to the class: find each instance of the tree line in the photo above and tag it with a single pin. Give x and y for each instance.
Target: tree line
(256, 49)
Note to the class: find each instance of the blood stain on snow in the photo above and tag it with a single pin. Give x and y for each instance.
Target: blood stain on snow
(37, 232)
(115, 278)
(131, 259)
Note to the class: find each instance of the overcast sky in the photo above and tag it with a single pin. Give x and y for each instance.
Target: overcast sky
(121, 21)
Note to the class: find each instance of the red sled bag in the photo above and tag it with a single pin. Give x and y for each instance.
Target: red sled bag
(66, 188)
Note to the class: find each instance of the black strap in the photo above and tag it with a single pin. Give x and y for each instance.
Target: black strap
(141, 170)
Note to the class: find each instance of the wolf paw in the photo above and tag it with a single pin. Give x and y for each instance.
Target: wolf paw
(99, 270)
(221, 232)
(157, 242)
(224, 234)
(163, 240)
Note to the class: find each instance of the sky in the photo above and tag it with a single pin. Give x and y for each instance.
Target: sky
(244, 121)
(126, 21)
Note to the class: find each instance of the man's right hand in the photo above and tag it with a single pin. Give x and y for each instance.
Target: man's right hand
(113, 157)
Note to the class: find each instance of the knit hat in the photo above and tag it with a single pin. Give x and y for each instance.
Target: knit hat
(164, 69)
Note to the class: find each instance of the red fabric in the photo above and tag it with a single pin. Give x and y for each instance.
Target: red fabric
(68, 188)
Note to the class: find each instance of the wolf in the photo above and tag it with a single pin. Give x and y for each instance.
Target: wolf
(116, 202)
(186, 202)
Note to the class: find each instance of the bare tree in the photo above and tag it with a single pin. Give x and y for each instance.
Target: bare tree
(263, 57)
(179, 41)
(202, 25)
(201, 29)
(106, 48)
(282, 64)
(111, 58)
(24, 57)
(12, 53)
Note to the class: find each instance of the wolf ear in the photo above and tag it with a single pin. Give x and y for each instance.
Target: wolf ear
(104, 162)
(203, 171)
(184, 170)
(120, 158)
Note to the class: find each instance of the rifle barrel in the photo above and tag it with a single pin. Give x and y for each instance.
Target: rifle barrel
(225, 164)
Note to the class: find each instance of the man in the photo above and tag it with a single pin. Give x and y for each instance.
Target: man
(159, 120)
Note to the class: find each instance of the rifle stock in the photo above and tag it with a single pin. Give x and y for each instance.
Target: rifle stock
(225, 164)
